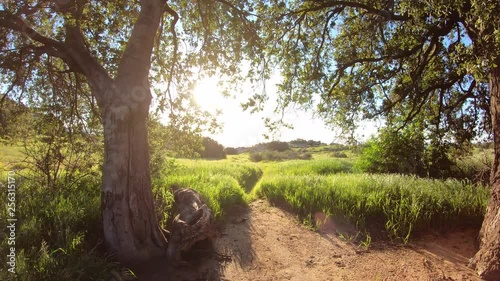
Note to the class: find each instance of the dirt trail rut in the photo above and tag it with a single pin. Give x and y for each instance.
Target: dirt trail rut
(263, 243)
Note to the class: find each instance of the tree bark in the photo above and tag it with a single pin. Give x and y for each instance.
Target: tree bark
(131, 228)
(487, 259)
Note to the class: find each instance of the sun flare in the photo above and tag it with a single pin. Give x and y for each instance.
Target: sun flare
(207, 94)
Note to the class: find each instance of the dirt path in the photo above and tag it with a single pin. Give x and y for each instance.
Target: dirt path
(267, 243)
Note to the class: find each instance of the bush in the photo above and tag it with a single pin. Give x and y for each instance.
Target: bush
(339, 154)
(255, 156)
(392, 151)
(230, 151)
(269, 155)
(278, 146)
(212, 149)
(475, 167)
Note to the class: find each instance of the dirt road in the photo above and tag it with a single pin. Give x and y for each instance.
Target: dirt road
(263, 243)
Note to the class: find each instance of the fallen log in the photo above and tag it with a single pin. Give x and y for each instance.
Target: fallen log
(193, 222)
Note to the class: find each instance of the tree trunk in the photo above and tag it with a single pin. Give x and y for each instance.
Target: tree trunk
(487, 259)
(131, 229)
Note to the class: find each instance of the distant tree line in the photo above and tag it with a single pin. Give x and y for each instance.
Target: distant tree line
(212, 149)
(306, 143)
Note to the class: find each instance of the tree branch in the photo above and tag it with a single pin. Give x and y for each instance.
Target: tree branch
(175, 16)
(136, 59)
(48, 46)
(331, 4)
(343, 67)
(15, 23)
(242, 13)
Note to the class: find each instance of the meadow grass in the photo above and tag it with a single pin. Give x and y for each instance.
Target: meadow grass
(11, 156)
(321, 166)
(60, 230)
(221, 183)
(403, 205)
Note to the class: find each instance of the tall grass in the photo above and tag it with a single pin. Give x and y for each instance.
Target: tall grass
(325, 166)
(11, 156)
(221, 183)
(403, 205)
(58, 232)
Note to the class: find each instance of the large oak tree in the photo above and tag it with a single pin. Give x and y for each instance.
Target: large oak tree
(399, 59)
(119, 54)
(346, 59)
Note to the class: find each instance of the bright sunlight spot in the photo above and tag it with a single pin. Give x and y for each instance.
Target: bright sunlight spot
(208, 96)
(241, 128)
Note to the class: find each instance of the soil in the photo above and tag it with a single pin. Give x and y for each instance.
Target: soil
(263, 242)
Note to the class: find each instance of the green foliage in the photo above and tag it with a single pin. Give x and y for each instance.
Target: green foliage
(12, 156)
(305, 143)
(277, 146)
(58, 231)
(13, 120)
(212, 149)
(410, 151)
(58, 199)
(474, 167)
(357, 60)
(272, 155)
(230, 151)
(403, 205)
(395, 151)
(166, 142)
(338, 154)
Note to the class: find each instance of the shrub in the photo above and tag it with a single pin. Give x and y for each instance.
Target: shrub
(339, 154)
(278, 146)
(394, 151)
(475, 167)
(212, 149)
(230, 151)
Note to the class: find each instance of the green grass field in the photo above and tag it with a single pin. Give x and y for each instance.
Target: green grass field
(10, 157)
(59, 230)
(401, 205)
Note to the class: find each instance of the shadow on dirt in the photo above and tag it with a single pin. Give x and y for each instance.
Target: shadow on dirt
(207, 260)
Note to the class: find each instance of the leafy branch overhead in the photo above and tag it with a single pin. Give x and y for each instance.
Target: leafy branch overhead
(363, 59)
(104, 40)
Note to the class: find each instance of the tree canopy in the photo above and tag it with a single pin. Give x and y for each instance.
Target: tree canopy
(352, 60)
(39, 40)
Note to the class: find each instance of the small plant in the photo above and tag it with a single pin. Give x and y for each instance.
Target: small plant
(367, 241)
